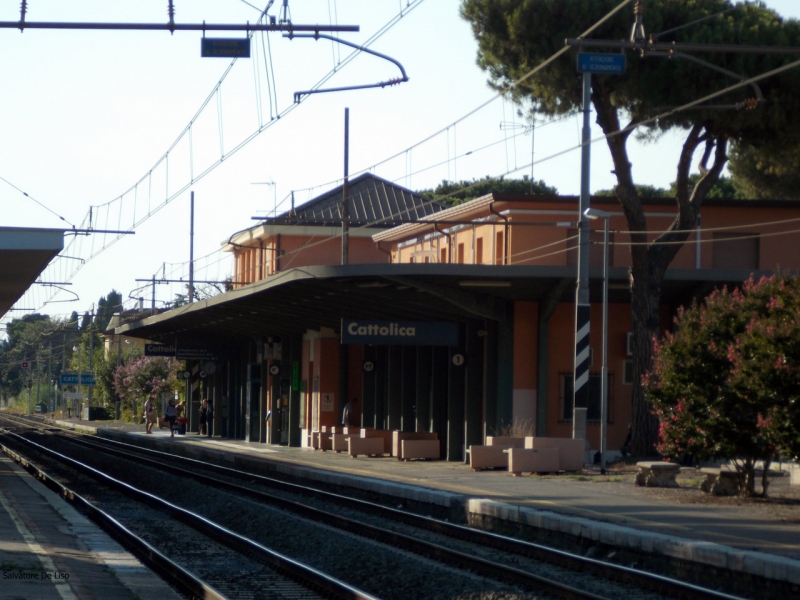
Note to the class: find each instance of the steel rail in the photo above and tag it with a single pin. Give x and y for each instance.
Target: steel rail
(676, 46)
(304, 574)
(172, 27)
(561, 557)
(150, 556)
(487, 568)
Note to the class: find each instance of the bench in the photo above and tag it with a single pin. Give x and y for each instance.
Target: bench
(570, 451)
(657, 474)
(381, 434)
(339, 441)
(720, 482)
(321, 440)
(399, 436)
(488, 457)
(369, 446)
(425, 448)
(527, 460)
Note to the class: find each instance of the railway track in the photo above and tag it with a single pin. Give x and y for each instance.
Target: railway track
(529, 566)
(199, 557)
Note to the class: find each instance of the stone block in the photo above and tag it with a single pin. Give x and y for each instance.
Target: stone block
(487, 457)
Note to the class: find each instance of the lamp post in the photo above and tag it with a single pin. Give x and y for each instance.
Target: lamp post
(80, 400)
(593, 213)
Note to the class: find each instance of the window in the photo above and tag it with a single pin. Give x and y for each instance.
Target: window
(593, 412)
(627, 372)
(460, 259)
(735, 251)
(479, 251)
(499, 250)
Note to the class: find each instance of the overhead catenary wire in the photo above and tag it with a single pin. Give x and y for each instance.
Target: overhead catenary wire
(44, 206)
(152, 210)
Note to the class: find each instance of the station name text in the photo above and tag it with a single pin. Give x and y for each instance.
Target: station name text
(41, 576)
(390, 329)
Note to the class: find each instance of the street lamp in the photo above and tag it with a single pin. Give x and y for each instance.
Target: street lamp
(80, 399)
(593, 213)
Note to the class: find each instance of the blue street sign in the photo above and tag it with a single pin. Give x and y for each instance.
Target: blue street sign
(225, 48)
(601, 62)
(72, 379)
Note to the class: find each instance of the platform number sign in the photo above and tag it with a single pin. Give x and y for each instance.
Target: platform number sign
(369, 366)
(458, 360)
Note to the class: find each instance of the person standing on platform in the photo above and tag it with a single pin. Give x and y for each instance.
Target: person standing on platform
(171, 413)
(203, 417)
(349, 414)
(210, 418)
(149, 414)
(181, 410)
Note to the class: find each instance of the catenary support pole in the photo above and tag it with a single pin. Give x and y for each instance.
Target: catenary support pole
(582, 305)
(346, 190)
(604, 369)
(191, 247)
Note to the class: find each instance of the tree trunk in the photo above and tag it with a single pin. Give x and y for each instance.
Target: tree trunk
(645, 301)
(649, 260)
(765, 478)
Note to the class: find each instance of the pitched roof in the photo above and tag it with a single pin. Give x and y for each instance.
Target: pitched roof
(372, 200)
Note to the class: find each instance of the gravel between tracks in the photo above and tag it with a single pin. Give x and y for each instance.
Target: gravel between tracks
(385, 572)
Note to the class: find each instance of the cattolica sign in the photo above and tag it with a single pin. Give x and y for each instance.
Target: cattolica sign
(399, 333)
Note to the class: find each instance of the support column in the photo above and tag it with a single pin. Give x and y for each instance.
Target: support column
(456, 401)
(473, 423)
(295, 353)
(251, 412)
(343, 393)
(368, 385)
(424, 385)
(381, 386)
(439, 380)
(505, 369)
(491, 379)
(409, 422)
(395, 388)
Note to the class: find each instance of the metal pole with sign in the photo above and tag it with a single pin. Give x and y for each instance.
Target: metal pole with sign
(588, 63)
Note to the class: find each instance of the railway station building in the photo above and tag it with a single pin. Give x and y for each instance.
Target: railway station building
(453, 320)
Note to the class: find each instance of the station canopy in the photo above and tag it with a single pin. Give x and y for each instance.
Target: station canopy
(24, 254)
(309, 298)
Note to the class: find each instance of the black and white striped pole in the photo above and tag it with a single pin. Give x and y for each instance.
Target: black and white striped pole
(582, 305)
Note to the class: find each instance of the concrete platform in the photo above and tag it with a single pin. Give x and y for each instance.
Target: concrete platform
(595, 509)
(48, 551)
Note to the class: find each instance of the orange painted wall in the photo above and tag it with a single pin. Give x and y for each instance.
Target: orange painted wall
(327, 368)
(526, 323)
(529, 244)
(561, 359)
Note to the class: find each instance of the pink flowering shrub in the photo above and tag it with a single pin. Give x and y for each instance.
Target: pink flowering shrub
(137, 379)
(725, 383)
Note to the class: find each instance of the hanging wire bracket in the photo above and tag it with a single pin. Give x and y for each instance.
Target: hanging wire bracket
(317, 35)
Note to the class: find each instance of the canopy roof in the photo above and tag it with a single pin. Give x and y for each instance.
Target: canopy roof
(24, 254)
(292, 302)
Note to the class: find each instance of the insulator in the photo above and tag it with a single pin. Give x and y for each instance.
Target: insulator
(171, 10)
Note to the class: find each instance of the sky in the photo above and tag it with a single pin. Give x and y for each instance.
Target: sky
(87, 117)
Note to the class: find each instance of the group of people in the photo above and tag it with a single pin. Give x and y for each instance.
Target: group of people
(175, 415)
